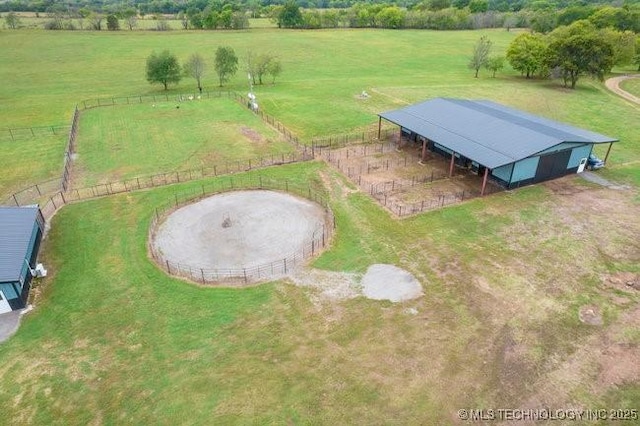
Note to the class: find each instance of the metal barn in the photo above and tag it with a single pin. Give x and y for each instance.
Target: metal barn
(21, 230)
(512, 147)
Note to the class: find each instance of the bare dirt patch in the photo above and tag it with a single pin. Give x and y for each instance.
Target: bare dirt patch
(590, 314)
(251, 134)
(388, 282)
(380, 282)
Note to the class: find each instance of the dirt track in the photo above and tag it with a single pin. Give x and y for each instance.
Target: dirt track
(613, 84)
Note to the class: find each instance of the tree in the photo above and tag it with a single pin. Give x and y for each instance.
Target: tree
(390, 17)
(130, 16)
(184, 19)
(195, 67)
(163, 68)
(577, 50)
(112, 22)
(95, 20)
(478, 6)
(480, 54)
(290, 16)
(226, 63)
(526, 54)
(12, 20)
(494, 64)
(623, 42)
(274, 69)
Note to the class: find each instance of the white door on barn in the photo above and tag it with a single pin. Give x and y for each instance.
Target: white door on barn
(4, 305)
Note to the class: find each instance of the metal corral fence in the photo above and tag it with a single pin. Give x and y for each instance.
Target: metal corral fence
(289, 261)
(24, 133)
(386, 192)
(33, 193)
(61, 198)
(70, 150)
(320, 144)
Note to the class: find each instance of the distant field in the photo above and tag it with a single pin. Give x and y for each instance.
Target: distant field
(119, 142)
(29, 20)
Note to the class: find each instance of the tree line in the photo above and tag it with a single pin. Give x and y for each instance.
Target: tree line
(568, 52)
(540, 15)
(164, 67)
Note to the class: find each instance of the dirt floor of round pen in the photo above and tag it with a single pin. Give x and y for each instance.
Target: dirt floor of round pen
(241, 229)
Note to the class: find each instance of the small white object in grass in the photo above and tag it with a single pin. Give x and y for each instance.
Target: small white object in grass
(154, 105)
(388, 282)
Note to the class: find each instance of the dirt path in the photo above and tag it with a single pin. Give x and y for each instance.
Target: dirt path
(613, 84)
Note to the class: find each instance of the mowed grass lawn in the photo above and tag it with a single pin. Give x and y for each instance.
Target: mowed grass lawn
(114, 340)
(118, 142)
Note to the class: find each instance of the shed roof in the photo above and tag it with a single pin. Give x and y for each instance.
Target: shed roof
(486, 132)
(16, 226)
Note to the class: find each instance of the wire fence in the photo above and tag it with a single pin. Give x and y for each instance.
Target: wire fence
(70, 151)
(25, 133)
(288, 263)
(320, 144)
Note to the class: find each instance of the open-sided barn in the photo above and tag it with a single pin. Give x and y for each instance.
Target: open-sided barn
(21, 230)
(512, 147)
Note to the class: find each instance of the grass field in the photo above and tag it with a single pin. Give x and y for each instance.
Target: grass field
(121, 142)
(632, 86)
(317, 93)
(114, 340)
(125, 343)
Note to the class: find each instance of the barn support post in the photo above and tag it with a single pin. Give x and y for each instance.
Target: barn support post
(484, 181)
(453, 159)
(606, 157)
(424, 151)
(399, 138)
(379, 126)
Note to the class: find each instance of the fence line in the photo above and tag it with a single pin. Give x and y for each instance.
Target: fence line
(70, 150)
(244, 275)
(22, 133)
(343, 140)
(139, 99)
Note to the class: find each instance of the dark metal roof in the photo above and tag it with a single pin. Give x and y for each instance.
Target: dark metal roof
(16, 225)
(486, 132)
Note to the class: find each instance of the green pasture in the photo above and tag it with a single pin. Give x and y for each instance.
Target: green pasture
(632, 86)
(48, 72)
(119, 142)
(29, 161)
(115, 340)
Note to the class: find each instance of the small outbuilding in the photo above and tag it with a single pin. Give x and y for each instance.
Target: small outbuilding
(512, 147)
(21, 230)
